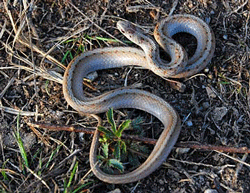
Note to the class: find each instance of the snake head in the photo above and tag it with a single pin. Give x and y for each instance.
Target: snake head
(126, 28)
(132, 32)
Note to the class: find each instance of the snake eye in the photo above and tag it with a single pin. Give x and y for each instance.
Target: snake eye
(131, 31)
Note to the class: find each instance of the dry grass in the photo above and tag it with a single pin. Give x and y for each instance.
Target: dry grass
(39, 38)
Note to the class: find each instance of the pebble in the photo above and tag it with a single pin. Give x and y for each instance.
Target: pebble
(210, 191)
(210, 92)
(117, 190)
(189, 123)
(182, 150)
(92, 76)
(206, 105)
(219, 113)
(207, 20)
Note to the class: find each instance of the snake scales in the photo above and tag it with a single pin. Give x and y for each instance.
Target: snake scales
(148, 57)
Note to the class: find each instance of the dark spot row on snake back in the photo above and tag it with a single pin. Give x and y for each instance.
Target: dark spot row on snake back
(122, 31)
(73, 62)
(141, 40)
(116, 51)
(208, 58)
(131, 28)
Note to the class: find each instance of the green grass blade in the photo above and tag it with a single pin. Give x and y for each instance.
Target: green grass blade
(122, 127)
(116, 164)
(71, 177)
(106, 39)
(101, 38)
(68, 53)
(117, 151)
(3, 172)
(20, 142)
(81, 48)
(123, 147)
(46, 87)
(52, 155)
(110, 118)
(82, 186)
(71, 40)
(100, 157)
(106, 132)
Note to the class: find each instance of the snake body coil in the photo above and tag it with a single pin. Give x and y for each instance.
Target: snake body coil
(117, 57)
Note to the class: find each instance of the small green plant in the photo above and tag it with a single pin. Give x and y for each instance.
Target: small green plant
(114, 150)
(3, 171)
(20, 142)
(72, 175)
(53, 154)
(111, 139)
(72, 52)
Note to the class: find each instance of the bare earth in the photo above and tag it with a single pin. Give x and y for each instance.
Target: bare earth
(37, 36)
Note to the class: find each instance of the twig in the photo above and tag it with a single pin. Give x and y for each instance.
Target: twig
(89, 86)
(7, 86)
(68, 157)
(9, 171)
(10, 16)
(175, 3)
(18, 112)
(235, 159)
(201, 164)
(38, 177)
(91, 130)
(39, 135)
(240, 7)
(3, 29)
(214, 148)
(238, 169)
(136, 8)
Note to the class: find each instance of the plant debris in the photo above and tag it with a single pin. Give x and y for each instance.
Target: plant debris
(39, 39)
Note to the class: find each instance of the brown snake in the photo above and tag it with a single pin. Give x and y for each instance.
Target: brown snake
(148, 57)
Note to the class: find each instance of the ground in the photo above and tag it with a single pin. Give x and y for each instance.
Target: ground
(214, 107)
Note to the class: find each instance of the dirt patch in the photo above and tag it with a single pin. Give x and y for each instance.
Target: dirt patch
(214, 108)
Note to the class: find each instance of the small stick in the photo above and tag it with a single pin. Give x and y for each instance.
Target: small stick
(214, 148)
(90, 86)
(88, 130)
(7, 86)
(91, 130)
